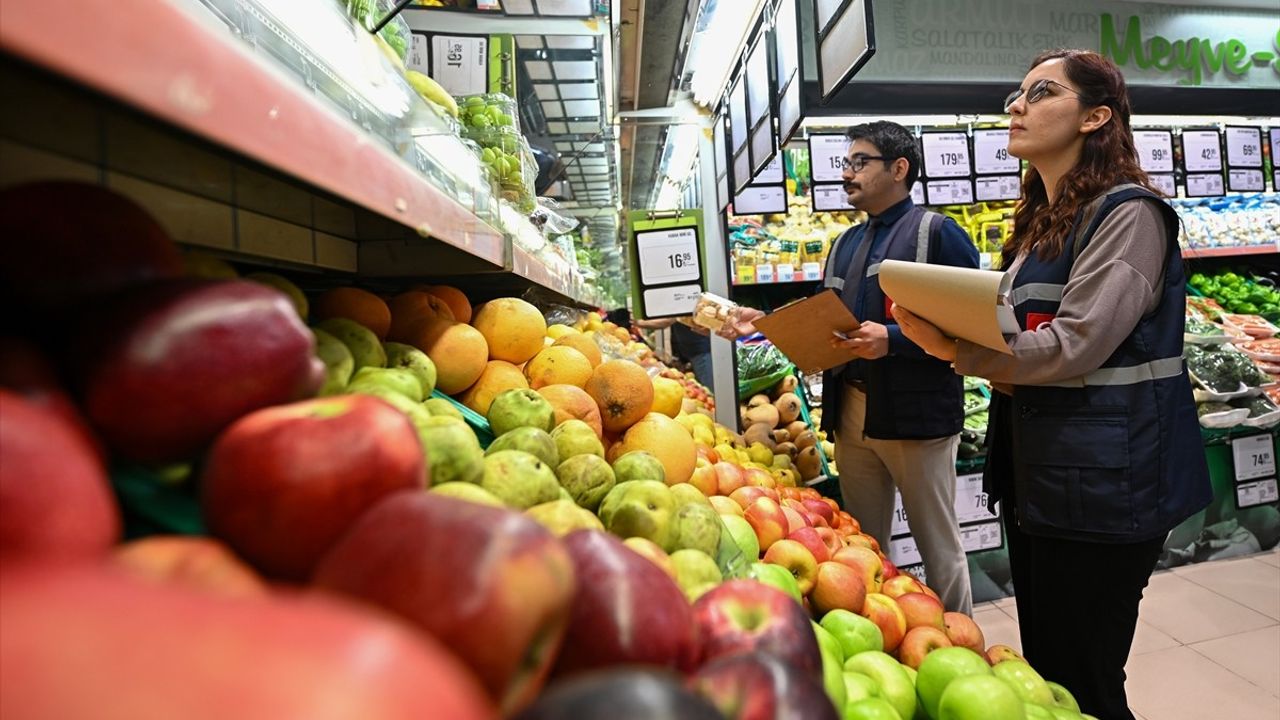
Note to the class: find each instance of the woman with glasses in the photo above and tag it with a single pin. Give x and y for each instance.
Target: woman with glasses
(1094, 446)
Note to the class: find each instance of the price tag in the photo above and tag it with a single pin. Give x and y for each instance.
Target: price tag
(899, 524)
(760, 199)
(984, 261)
(460, 64)
(1244, 147)
(1255, 457)
(786, 273)
(812, 271)
(1004, 187)
(772, 173)
(764, 273)
(1155, 150)
(946, 154)
(1201, 151)
(917, 193)
(976, 538)
(668, 256)
(746, 275)
(949, 192)
(991, 153)
(971, 502)
(1245, 180)
(826, 157)
(903, 551)
(1165, 184)
(1204, 186)
(419, 57)
(1262, 492)
(830, 198)
(668, 301)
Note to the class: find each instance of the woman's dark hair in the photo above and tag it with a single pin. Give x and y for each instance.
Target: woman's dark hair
(892, 141)
(1109, 158)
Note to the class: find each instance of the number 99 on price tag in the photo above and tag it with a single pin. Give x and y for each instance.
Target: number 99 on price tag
(1254, 456)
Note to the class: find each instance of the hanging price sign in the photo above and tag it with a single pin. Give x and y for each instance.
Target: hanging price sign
(826, 157)
(760, 200)
(1165, 184)
(946, 154)
(828, 198)
(949, 192)
(1254, 457)
(668, 256)
(1004, 187)
(1155, 150)
(460, 63)
(971, 501)
(1244, 147)
(917, 193)
(991, 153)
(1201, 151)
(976, 538)
(1240, 180)
(669, 301)
(1253, 494)
(1205, 185)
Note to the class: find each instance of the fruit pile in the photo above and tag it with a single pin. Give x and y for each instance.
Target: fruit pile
(776, 429)
(699, 396)
(360, 540)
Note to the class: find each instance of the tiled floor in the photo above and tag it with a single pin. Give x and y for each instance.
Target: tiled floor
(1207, 645)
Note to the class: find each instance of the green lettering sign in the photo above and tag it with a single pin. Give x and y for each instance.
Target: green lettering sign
(1191, 57)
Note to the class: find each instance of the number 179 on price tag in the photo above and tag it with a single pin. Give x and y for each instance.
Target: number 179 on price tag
(1254, 457)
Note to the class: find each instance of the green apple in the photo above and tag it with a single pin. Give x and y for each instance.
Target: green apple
(1058, 713)
(1062, 697)
(1025, 681)
(520, 407)
(574, 437)
(534, 441)
(858, 686)
(895, 686)
(776, 576)
(870, 709)
(855, 633)
(979, 697)
(832, 665)
(639, 465)
(744, 537)
(519, 479)
(396, 380)
(696, 527)
(940, 668)
(911, 673)
(440, 406)
(640, 508)
(338, 363)
(452, 449)
(696, 572)
(366, 350)
(1037, 712)
(467, 491)
(586, 479)
(410, 358)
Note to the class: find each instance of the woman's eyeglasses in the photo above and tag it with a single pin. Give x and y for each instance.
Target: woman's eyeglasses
(1036, 92)
(858, 162)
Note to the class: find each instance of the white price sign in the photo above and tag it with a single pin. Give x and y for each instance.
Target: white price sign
(899, 524)
(1244, 147)
(826, 157)
(668, 301)
(946, 154)
(1165, 184)
(812, 271)
(917, 193)
(668, 256)
(758, 200)
(764, 273)
(991, 153)
(1205, 185)
(1155, 150)
(1201, 151)
(971, 501)
(949, 192)
(1004, 187)
(460, 64)
(772, 173)
(786, 273)
(830, 198)
(1262, 492)
(976, 538)
(903, 551)
(1255, 457)
(1245, 180)
(419, 57)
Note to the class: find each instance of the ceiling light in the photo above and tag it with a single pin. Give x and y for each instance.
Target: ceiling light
(725, 25)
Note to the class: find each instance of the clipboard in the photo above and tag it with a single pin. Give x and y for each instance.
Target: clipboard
(802, 330)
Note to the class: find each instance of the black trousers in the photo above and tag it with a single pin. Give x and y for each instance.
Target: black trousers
(1077, 612)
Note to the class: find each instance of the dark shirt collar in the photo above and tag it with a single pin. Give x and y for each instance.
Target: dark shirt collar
(895, 212)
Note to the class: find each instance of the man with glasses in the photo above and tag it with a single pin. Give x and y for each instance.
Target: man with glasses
(896, 412)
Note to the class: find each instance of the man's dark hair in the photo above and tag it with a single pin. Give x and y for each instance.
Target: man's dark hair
(892, 141)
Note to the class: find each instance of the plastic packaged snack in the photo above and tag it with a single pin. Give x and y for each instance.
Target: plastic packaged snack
(713, 311)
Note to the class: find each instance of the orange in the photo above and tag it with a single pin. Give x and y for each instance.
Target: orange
(412, 308)
(623, 391)
(573, 403)
(584, 344)
(458, 350)
(557, 366)
(455, 299)
(668, 396)
(668, 441)
(498, 376)
(513, 328)
(355, 304)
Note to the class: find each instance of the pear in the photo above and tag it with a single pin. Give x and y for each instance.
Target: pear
(365, 348)
(415, 361)
(338, 363)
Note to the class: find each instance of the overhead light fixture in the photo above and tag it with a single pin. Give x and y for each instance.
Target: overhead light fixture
(718, 44)
(678, 156)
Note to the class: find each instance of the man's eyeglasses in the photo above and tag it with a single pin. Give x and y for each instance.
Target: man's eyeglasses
(1036, 92)
(858, 162)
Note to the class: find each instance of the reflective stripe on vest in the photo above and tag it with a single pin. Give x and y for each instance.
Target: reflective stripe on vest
(922, 243)
(1048, 292)
(1132, 375)
(831, 281)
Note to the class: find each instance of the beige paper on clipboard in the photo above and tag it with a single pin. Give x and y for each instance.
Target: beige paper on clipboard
(963, 302)
(803, 331)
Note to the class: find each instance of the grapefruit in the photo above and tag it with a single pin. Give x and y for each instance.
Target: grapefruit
(584, 344)
(666, 440)
(355, 304)
(668, 396)
(558, 366)
(458, 350)
(457, 301)
(513, 328)
(573, 403)
(498, 376)
(623, 391)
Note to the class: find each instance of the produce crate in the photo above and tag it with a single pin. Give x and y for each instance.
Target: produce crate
(157, 502)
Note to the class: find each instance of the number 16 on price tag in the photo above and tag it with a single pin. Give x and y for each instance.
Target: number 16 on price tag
(1254, 457)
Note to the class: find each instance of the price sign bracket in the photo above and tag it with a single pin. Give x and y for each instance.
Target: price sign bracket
(1254, 457)
(667, 272)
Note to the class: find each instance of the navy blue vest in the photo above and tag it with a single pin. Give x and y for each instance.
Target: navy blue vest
(907, 398)
(1116, 455)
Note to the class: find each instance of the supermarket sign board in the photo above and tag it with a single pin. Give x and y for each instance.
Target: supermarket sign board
(667, 265)
(465, 64)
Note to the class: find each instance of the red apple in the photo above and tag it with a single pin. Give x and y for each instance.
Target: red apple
(920, 610)
(651, 551)
(491, 584)
(282, 484)
(900, 585)
(964, 632)
(831, 539)
(820, 508)
(744, 496)
(795, 520)
(997, 654)
(166, 367)
(196, 563)
(755, 477)
(95, 643)
(797, 560)
(810, 538)
(55, 499)
(704, 477)
(768, 520)
(837, 587)
(626, 610)
(725, 506)
(920, 641)
(758, 686)
(743, 616)
(709, 454)
(929, 591)
(884, 612)
(865, 561)
(25, 369)
(728, 477)
(866, 541)
(622, 694)
(890, 570)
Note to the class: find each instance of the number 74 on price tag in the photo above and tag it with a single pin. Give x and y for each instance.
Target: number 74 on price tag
(1254, 457)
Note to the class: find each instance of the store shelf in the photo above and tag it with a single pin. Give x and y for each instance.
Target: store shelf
(1238, 250)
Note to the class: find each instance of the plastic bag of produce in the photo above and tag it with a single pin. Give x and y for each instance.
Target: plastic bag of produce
(1199, 332)
(1253, 325)
(1220, 415)
(489, 111)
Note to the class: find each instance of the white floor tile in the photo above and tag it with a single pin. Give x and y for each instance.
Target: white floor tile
(1181, 684)
(1253, 655)
(1191, 613)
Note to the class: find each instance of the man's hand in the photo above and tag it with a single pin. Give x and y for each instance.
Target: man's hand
(925, 334)
(869, 342)
(741, 323)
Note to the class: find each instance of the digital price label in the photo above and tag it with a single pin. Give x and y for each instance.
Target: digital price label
(971, 501)
(786, 272)
(976, 538)
(1253, 494)
(1275, 155)
(1155, 150)
(668, 256)
(1201, 151)
(946, 154)
(460, 64)
(772, 173)
(1004, 187)
(1205, 185)
(760, 200)
(903, 551)
(1166, 184)
(949, 192)
(764, 274)
(826, 157)
(1244, 147)
(991, 153)
(1254, 456)
(830, 198)
(419, 56)
(917, 193)
(1244, 180)
(811, 271)
(669, 301)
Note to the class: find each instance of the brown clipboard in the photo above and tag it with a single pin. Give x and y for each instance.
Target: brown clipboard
(803, 330)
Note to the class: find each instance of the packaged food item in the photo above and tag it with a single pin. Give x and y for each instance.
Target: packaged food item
(713, 311)
(1254, 325)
